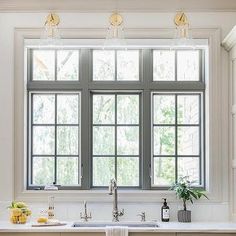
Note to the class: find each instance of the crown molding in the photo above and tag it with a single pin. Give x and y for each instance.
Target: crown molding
(121, 5)
(230, 40)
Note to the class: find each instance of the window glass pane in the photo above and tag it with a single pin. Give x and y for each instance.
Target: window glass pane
(164, 109)
(188, 140)
(103, 170)
(103, 109)
(163, 65)
(67, 140)
(67, 109)
(43, 109)
(43, 170)
(128, 65)
(103, 65)
(103, 140)
(188, 109)
(67, 170)
(127, 109)
(109, 136)
(127, 140)
(164, 171)
(164, 140)
(43, 65)
(115, 118)
(188, 65)
(189, 166)
(128, 171)
(43, 140)
(68, 65)
(187, 125)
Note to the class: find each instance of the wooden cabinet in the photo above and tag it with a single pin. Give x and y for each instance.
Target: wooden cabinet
(83, 234)
(29, 234)
(206, 234)
(152, 234)
(130, 234)
(103, 234)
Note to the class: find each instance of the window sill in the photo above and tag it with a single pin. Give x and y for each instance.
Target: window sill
(128, 196)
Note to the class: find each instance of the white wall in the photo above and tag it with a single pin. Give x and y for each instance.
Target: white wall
(217, 211)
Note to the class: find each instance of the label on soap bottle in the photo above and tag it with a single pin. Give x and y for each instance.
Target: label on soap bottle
(166, 214)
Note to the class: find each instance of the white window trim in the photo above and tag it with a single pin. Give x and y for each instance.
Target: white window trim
(215, 120)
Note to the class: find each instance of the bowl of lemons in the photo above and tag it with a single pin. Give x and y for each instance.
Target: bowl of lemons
(19, 213)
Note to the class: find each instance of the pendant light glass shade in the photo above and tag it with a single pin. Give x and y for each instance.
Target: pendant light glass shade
(51, 36)
(183, 34)
(115, 37)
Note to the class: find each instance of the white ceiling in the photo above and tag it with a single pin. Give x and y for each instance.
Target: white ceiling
(122, 5)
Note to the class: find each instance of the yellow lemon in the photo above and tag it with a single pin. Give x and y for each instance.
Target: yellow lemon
(22, 219)
(42, 219)
(14, 219)
(16, 212)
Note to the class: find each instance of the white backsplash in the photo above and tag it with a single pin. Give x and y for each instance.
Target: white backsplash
(214, 212)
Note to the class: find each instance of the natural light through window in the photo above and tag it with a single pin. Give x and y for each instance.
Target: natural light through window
(136, 115)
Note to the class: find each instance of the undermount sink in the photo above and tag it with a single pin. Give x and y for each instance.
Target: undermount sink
(125, 224)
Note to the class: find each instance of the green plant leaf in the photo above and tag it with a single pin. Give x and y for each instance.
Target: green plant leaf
(185, 191)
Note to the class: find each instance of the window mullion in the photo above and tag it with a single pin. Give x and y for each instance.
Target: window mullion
(201, 145)
(147, 141)
(55, 150)
(176, 137)
(116, 136)
(146, 156)
(86, 114)
(31, 138)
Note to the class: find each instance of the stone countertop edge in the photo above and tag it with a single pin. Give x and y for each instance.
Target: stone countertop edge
(174, 227)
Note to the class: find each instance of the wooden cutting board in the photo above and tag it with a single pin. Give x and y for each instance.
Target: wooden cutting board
(48, 224)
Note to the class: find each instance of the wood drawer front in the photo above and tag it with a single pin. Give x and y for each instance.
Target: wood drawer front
(130, 234)
(29, 234)
(151, 234)
(206, 234)
(83, 234)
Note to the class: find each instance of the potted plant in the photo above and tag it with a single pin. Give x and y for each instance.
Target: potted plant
(186, 192)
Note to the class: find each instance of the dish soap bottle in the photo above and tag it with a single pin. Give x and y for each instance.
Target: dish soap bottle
(50, 207)
(165, 212)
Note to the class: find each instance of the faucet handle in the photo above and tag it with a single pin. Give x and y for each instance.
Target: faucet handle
(143, 216)
(86, 216)
(122, 212)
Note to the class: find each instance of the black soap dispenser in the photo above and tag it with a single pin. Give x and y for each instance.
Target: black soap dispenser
(165, 212)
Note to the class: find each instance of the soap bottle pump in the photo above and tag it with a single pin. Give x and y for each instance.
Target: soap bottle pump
(165, 212)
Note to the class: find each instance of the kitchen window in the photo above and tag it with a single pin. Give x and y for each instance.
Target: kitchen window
(116, 138)
(136, 115)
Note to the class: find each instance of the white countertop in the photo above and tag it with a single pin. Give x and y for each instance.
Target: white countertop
(163, 227)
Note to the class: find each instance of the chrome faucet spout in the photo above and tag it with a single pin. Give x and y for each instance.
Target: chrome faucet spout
(113, 191)
(85, 216)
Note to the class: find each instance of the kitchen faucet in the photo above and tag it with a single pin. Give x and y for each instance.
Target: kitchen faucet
(86, 216)
(113, 191)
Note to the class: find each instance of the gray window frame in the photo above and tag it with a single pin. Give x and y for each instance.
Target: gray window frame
(146, 86)
(55, 125)
(139, 93)
(176, 125)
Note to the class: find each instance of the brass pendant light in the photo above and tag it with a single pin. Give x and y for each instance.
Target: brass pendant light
(51, 34)
(182, 31)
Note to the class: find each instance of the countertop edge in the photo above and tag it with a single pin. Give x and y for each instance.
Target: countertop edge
(171, 227)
